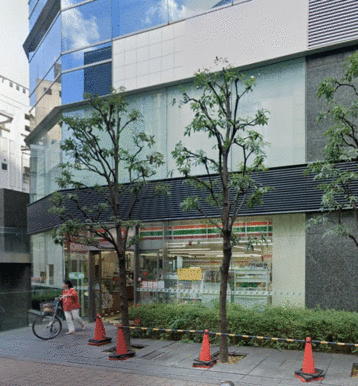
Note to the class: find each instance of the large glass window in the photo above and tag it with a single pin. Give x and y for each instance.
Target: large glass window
(86, 56)
(180, 262)
(153, 107)
(135, 15)
(281, 90)
(180, 9)
(70, 3)
(93, 80)
(35, 8)
(86, 24)
(43, 60)
(47, 261)
(45, 158)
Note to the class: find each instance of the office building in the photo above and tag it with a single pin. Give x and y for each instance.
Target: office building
(150, 48)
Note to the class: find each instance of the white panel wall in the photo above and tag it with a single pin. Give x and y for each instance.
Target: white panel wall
(244, 33)
(288, 260)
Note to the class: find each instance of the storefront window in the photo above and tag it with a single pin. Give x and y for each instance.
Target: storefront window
(77, 270)
(47, 261)
(186, 268)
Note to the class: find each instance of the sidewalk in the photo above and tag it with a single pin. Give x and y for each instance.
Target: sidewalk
(69, 358)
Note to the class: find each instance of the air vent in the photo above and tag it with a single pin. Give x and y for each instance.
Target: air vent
(332, 21)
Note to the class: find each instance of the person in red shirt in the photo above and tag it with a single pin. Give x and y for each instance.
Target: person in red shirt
(71, 306)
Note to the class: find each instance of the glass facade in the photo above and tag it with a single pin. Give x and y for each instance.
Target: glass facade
(180, 262)
(45, 63)
(46, 156)
(86, 56)
(48, 266)
(132, 16)
(280, 89)
(177, 262)
(86, 24)
(35, 8)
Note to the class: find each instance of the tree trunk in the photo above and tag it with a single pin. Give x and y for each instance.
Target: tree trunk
(224, 270)
(123, 297)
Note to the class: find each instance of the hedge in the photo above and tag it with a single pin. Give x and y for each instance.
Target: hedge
(47, 295)
(327, 325)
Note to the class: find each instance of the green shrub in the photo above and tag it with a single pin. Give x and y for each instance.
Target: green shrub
(326, 325)
(40, 296)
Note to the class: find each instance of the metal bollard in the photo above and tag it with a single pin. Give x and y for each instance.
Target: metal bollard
(227, 383)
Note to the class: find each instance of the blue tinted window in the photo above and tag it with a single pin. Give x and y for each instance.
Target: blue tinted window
(180, 9)
(37, 7)
(46, 55)
(70, 3)
(43, 84)
(76, 59)
(94, 80)
(86, 24)
(135, 15)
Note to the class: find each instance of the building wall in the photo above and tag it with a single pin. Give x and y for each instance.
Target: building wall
(14, 242)
(319, 67)
(288, 260)
(14, 127)
(15, 295)
(245, 33)
(331, 269)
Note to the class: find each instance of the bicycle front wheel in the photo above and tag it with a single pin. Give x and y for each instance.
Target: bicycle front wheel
(46, 327)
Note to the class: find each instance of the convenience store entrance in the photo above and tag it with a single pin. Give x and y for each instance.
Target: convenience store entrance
(105, 289)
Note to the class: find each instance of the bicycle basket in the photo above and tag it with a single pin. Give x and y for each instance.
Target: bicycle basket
(48, 307)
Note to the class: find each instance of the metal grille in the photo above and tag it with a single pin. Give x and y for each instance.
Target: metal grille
(332, 21)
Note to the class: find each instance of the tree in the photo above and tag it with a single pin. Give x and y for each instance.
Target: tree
(104, 145)
(338, 169)
(216, 113)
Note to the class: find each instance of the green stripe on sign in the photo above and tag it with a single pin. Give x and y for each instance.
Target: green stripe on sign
(201, 231)
(151, 233)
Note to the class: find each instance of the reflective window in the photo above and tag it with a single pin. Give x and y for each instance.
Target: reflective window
(45, 98)
(94, 80)
(40, 84)
(35, 9)
(69, 3)
(46, 54)
(180, 9)
(87, 56)
(45, 158)
(281, 90)
(153, 107)
(32, 4)
(86, 24)
(135, 15)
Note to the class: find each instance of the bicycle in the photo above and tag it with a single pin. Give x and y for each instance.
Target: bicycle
(48, 325)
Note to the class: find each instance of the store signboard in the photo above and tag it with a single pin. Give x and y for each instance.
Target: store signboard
(194, 273)
(76, 275)
(153, 284)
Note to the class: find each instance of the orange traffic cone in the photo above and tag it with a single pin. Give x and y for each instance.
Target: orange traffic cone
(122, 352)
(308, 372)
(99, 334)
(205, 360)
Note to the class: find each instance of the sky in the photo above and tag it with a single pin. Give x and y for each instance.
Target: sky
(13, 32)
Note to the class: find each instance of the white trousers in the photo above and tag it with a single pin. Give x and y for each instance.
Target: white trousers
(72, 316)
